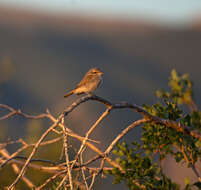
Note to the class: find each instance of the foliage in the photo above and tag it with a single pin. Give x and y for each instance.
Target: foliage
(142, 163)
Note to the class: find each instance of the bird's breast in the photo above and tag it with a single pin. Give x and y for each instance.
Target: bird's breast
(89, 86)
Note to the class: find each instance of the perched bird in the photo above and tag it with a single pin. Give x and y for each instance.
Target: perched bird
(89, 83)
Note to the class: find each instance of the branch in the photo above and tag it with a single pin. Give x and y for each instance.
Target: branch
(122, 105)
(124, 132)
(107, 111)
(31, 155)
(85, 141)
(17, 170)
(67, 159)
(14, 155)
(19, 112)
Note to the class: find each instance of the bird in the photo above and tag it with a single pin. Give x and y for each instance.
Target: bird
(88, 84)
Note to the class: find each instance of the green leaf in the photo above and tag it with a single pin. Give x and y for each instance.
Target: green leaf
(198, 144)
(186, 181)
(174, 74)
(178, 156)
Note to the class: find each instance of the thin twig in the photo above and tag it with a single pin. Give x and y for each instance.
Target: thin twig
(50, 179)
(122, 105)
(105, 113)
(124, 132)
(83, 174)
(17, 170)
(85, 140)
(19, 112)
(62, 183)
(32, 153)
(14, 155)
(47, 169)
(91, 146)
(182, 149)
(93, 180)
(67, 158)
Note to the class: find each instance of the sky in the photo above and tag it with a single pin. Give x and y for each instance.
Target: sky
(167, 11)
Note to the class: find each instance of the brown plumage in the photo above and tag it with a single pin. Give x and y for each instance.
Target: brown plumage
(89, 83)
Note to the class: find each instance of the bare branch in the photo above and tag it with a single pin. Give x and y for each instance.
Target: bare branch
(65, 169)
(122, 105)
(124, 132)
(83, 174)
(50, 179)
(107, 111)
(13, 156)
(17, 170)
(31, 155)
(67, 159)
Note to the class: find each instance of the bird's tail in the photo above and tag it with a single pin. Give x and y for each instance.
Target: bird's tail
(68, 94)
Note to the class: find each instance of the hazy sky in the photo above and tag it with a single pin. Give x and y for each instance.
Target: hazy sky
(168, 11)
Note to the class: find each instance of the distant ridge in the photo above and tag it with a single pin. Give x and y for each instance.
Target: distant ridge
(22, 18)
(29, 36)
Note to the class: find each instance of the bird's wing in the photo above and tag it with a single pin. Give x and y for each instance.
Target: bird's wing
(85, 80)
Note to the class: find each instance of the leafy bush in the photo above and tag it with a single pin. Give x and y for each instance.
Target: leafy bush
(142, 162)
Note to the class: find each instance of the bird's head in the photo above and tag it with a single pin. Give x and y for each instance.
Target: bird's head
(95, 71)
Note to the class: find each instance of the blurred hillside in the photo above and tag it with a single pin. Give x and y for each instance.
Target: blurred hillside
(49, 54)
